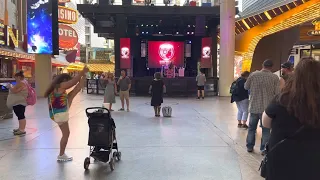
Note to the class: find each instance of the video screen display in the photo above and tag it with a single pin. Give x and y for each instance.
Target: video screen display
(41, 26)
(165, 52)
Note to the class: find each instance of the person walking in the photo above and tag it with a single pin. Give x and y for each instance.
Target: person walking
(241, 97)
(201, 80)
(294, 117)
(157, 89)
(263, 86)
(17, 100)
(110, 91)
(125, 85)
(59, 103)
(286, 71)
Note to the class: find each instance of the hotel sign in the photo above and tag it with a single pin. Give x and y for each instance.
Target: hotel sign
(8, 36)
(67, 15)
(316, 31)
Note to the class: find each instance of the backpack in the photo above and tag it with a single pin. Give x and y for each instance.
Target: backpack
(234, 87)
(32, 96)
(166, 111)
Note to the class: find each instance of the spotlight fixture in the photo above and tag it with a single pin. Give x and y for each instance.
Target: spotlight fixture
(142, 32)
(188, 33)
(192, 33)
(177, 32)
(141, 25)
(188, 25)
(159, 32)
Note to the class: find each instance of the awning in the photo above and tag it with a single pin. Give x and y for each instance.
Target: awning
(101, 67)
(17, 53)
(59, 60)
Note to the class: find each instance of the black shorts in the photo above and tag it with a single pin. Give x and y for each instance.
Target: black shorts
(19, 110)
(200, 88)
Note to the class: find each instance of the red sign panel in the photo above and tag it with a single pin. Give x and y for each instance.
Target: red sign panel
(125, 59)
(206, 56)
(68, 37)
(165, 52)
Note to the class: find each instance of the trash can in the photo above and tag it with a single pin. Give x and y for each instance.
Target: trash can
(5, 112)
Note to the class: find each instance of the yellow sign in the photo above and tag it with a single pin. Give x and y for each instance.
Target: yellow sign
(67, 15)
(7, 34)
(316, 31)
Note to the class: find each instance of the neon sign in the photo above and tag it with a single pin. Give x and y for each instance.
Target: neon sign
(8, 36)
(316, 31)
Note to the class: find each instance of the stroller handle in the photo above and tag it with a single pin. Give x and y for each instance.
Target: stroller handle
(98, 108)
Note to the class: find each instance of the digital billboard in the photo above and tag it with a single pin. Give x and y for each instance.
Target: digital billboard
(125, 59)
(165, 52)
(42, 26)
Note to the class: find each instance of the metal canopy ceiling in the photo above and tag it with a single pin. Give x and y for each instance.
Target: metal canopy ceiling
(103, 17)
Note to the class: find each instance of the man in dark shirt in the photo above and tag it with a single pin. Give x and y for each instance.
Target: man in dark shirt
(286, 70)
(125, 85)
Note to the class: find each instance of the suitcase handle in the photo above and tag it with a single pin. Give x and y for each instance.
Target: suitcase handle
(97, 108)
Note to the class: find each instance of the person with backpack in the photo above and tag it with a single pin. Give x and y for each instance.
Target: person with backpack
(241, 97)
(17, 100)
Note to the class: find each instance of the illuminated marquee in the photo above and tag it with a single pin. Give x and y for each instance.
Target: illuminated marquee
(8, 36)
(316, 31)
(64, 1)
(67, 15)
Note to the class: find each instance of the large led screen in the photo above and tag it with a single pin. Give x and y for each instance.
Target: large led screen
(42, 26)
(165, 52)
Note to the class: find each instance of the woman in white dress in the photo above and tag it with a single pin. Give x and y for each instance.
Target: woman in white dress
(110, 91)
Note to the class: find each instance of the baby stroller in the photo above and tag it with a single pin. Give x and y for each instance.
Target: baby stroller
(102, 137)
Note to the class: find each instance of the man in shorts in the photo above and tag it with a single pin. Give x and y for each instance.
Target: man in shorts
(201, 80)
(124, 83)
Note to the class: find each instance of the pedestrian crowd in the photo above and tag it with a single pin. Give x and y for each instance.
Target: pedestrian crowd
(288, 112)
(286, 109)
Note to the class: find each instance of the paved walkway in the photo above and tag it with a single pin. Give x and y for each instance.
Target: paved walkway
(200, 142)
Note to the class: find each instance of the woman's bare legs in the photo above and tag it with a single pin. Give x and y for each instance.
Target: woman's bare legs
(110, 106)
(22, 125)
(65, 136)
(155, 108)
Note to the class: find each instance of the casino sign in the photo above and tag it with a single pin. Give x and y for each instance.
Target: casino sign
(67, 15)
(316, 31)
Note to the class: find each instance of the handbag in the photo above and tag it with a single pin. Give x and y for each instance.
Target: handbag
(61, 117)
(264, 162)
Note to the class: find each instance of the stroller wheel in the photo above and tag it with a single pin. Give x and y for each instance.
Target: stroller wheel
(111, 163)
(119, 155)
(86, 163)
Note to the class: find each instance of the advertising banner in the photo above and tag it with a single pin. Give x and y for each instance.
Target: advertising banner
(42, 27)
(125, 59)
(165, 52)
(206, 56)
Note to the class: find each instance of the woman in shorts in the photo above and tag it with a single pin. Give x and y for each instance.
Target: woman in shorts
(60, 101)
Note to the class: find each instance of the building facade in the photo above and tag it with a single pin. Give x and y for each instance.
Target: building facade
(250, 7)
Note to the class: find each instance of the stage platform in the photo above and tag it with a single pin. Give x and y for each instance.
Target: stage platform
(181, 86)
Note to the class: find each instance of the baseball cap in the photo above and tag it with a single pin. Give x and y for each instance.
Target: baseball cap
(268, 63)
(286, 65)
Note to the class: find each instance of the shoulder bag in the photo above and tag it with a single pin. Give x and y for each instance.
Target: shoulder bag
(61, 117)
(263, 165)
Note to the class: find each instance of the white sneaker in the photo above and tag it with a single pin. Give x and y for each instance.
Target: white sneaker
(64, 158)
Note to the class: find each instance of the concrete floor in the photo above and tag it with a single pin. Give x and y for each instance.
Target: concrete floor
(200, 142)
